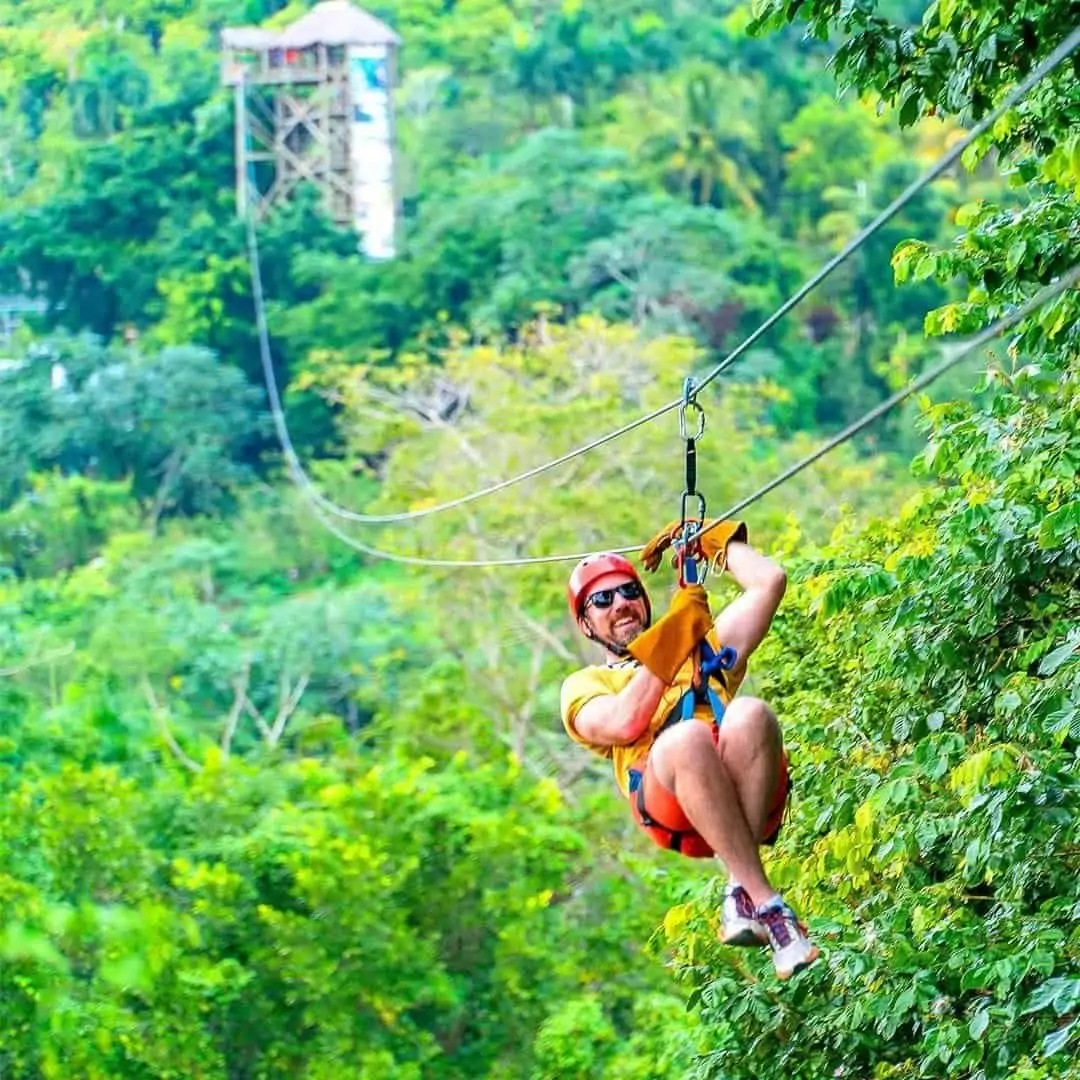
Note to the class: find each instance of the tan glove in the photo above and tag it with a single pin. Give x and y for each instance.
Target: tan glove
(663, 648)
(713, 542)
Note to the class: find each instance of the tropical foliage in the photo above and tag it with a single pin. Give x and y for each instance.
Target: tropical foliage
(271, 806)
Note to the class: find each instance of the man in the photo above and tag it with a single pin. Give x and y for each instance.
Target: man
(695, 787)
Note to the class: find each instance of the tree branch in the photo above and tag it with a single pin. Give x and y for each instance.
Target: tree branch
(166, 733)
(172, 468)
(240, 687)
(260, 723)
(545, 635)
(38, 661)
(288, 702)
(523, 716)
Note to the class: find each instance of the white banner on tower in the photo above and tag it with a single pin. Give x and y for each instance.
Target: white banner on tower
(372, 149)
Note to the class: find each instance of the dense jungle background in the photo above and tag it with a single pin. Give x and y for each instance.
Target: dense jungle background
(274, 809)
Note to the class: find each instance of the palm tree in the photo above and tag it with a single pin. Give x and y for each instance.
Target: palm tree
(696, 133)
(713, 149)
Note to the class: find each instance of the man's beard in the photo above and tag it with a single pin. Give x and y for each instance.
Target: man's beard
(626, 632)
(617, 647)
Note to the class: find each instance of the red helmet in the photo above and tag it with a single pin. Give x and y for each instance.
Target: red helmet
(594, 567)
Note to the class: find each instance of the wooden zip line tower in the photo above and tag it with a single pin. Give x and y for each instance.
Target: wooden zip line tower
(313, 105)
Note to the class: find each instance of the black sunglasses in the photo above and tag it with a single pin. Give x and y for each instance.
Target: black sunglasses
(604, 598)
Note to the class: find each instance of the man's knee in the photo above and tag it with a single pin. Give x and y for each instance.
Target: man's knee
(679, 745)
(749, 720)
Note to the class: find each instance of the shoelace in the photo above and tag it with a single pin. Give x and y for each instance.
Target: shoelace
(779, 921)
(744, 906)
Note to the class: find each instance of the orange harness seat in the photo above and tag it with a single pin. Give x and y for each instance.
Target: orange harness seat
(659, 814)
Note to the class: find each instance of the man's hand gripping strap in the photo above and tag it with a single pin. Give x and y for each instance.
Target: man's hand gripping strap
(713, 542)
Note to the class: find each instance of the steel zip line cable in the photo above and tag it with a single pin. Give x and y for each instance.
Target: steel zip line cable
(1068, 280)
(1065, 49)
(1071, 278)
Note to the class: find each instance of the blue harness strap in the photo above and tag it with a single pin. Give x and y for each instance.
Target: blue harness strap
(712, 663)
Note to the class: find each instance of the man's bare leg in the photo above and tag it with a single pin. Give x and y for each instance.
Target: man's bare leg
(713, 796)
(685, 761)
(750, 746)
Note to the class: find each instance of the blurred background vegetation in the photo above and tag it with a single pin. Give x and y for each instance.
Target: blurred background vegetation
(271, 808)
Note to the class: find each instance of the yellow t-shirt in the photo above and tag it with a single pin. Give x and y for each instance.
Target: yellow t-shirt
(592, 682)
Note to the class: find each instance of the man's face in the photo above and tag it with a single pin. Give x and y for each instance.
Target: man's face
(611, 615)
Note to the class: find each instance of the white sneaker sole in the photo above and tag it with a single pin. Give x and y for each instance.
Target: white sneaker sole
(743, 933)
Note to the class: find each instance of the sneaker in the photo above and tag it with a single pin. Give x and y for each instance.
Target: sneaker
(792, 950)
(738, 923)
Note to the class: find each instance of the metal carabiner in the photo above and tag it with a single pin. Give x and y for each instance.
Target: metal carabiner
(693, 569)
(690, 402)
(698, 521)
(686, 545)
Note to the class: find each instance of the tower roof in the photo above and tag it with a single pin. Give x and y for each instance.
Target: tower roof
(337, 22)
(333, 22)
